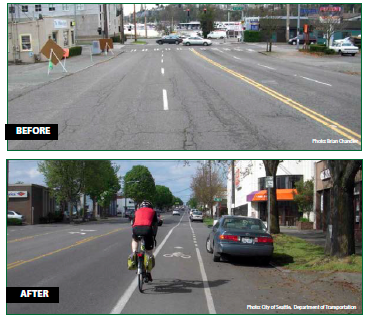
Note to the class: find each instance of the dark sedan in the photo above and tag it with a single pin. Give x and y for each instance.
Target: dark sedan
(169, 39)
(240, 236)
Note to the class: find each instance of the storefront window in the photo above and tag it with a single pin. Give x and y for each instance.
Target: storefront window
(65, 38)
(72, 37)
(25, 42)
(54, 36)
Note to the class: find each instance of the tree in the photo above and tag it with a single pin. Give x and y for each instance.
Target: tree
(207, 20)
(271, 167)
(19, 182)
(341, 240)
(177, 201)
(193, 203)
(163, 197)
(269, 24)
(139, 184)
(304, 198)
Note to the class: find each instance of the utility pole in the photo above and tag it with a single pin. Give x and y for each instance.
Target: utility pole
(287, 21)
(75, 34)
(135, 24)
(121, 24)
(210, 187)
(106, 35)
(145, 23)
(298, 26)
(12, 32)
(233, 189)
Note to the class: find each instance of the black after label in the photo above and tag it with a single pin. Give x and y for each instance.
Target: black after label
(31, 132)
(32, 295)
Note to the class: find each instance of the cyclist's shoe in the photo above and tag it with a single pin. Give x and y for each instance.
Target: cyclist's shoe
(149, 276)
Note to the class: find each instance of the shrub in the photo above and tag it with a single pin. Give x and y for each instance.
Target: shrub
(14, 222)
(252, 36)
(75, 50)
(317, 48)
(303, 220)
(329, 51)
(43, 220)
(116, 38)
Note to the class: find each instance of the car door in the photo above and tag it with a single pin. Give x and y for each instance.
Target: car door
(213, 234)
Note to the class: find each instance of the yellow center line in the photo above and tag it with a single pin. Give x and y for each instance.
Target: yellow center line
(30, 237)
(21, 262)
(343, 131)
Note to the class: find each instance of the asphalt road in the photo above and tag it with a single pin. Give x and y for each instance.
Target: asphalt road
(91, 273)
(169, 97)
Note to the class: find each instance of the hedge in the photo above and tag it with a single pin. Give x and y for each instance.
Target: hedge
(317, 48)
(75, 50)
(116, 39)
(14, 222)
(252, 36)
(329, 51)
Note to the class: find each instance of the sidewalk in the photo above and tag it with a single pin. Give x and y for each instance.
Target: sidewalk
(27, 77)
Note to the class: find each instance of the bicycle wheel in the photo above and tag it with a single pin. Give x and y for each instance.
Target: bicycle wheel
(140, 273)
(140, 282)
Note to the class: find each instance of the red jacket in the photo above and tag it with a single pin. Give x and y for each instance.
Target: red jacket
(145, 217)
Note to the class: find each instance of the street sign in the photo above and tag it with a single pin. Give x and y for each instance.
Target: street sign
(237, 8)
(269, 182)
(218, 199)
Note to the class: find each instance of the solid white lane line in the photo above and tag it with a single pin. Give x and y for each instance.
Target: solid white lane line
(270, 68)
(165, 102)
(208, 294)
(162, 71)
(118, 308)
(313, 80)
(237, 58)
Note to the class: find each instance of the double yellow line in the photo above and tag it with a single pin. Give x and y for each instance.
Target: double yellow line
(343, 131)
(91, 238)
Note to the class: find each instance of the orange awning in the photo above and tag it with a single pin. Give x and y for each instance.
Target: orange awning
(281, 195)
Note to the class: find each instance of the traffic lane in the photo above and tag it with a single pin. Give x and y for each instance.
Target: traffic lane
(255, 284)
(91, 277)
(177, 286)
(90, 111)
(23, 250)
(309, 86)
(272, 124)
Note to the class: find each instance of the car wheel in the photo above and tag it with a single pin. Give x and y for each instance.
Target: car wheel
(176, 42)
(205, 43)
(209, 37)
(265, 260)
(207, 246)
(221, 37)
(187, 43)
(293, 43)
(160, 42)
(353, 54)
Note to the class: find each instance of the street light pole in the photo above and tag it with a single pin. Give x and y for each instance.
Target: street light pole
(298, 26)
(121, 24)
(135, 24)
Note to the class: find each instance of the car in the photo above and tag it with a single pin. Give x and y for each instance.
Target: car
(128, 212)
(345, 48)
(119, 213)
(15, 215)
(196, 216)
(170, 39)
(176, 212)
(192, 211)
(196, 40)
(160, 219)
(217, 35)
(240, 236)
(293, 41)
(347, 39)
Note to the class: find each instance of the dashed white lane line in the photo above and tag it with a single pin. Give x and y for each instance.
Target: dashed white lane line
(237, 58)
(162, 71)
(313, 80)
(161, 60)
(165, 101)
(270, 68)
(118, 308)
(250, 50)
(208, 293)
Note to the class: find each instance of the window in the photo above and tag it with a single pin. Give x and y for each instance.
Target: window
(80, 7)
(11, 9)
(72, 37)
(24, 8)
(25, 42)
(54, 36)
(65, 38)
(38, 7)
(65, 7)
(51, 7)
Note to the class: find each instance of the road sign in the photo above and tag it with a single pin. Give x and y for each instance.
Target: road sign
(237, 8)
(269, 182)
(218, 199)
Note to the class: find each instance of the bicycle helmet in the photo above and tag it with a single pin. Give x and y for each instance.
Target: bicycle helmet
(146, 204)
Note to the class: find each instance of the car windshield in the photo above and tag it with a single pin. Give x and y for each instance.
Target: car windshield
(346, 44)
(243, 224)
(197, 213)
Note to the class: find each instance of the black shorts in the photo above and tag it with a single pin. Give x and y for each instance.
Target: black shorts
(147, 233)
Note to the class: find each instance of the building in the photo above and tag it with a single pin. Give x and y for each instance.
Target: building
(31, 200)
(124, 203)
(89, 17)
(322, 199)
(26, 38)
(249, 196)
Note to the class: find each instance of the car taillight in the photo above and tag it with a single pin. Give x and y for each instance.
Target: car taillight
(264, 239)
(230, 238)
(140, 254)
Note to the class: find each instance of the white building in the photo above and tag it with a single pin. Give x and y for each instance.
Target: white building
(250, 197)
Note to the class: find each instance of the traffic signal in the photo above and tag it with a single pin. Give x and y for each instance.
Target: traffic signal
(188, 12)
(205, 10)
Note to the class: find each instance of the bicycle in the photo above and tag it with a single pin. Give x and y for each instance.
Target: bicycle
(141, 269)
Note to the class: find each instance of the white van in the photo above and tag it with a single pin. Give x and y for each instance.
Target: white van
(217, 35)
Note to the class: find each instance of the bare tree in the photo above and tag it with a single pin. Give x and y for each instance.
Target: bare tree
(269, 24)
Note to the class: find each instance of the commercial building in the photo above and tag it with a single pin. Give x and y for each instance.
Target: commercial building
(31, 200)
(249, 196)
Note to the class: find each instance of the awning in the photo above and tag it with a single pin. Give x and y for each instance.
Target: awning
(281, 195)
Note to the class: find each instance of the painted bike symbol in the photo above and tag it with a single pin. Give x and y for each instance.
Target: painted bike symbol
(177, 254)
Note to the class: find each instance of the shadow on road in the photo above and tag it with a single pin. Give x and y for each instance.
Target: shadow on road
(256, 262)
(178, 286)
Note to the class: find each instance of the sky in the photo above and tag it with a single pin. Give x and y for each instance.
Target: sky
(174, 174)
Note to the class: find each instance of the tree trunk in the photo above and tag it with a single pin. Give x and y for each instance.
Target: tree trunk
(94, 208)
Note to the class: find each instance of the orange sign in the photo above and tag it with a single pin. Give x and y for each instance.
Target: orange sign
(66, 52)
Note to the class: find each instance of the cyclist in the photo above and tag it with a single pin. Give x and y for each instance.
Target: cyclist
(145, 223)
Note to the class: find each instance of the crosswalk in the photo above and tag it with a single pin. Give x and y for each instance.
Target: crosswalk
(194, 48)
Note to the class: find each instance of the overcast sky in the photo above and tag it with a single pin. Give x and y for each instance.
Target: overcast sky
(172, 174)
(128, 8)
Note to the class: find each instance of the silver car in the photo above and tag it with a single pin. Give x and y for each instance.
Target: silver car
(196, 40)
(15, 215)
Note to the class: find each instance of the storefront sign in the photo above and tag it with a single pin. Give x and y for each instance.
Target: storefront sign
(330, 9)
(59, 24)
(18, 194)
(237, 178)
(325, 174)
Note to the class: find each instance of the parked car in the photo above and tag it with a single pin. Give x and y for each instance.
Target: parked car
(217, 35)
(160, 219)
(293, 41)
(169, 39)
(196, 40)
(196, 216)
(176, 212)
(345, 48)
(119, 213)
(15, 215)
(240, 236)
(192, 211)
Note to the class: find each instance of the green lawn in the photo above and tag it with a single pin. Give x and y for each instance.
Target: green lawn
(139, 42)
(208, 221)
(297, 254)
